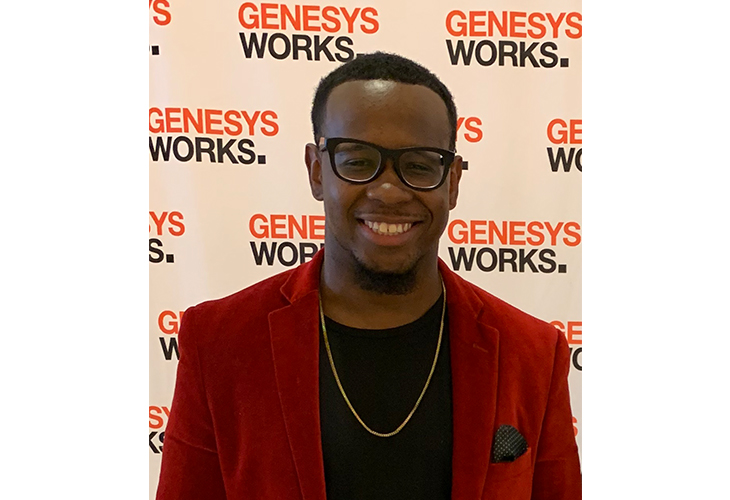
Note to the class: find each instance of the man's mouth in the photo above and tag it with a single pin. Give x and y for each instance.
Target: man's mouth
(388, 229)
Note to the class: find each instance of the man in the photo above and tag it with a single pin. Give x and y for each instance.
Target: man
(372, 371)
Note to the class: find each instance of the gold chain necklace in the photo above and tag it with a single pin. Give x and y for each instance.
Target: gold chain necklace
(428, 380)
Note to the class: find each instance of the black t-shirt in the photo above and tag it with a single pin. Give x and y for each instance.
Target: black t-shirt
(383, 373)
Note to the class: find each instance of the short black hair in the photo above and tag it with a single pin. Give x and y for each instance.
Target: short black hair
(381, 66)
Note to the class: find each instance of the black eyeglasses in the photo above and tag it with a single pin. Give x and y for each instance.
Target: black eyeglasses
(360, 162)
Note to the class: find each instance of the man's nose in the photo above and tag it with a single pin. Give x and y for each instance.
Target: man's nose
(388, 188)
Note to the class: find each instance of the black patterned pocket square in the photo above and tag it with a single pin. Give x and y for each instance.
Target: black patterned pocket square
(508, 444)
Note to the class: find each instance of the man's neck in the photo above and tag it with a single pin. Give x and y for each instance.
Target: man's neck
(346, 302)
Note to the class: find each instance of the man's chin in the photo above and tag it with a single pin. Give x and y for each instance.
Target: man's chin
(387, 280)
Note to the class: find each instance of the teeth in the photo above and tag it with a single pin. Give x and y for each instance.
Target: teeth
(388, 229)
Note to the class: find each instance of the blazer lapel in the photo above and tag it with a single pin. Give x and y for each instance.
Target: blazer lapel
(295, 344)
(474, 375)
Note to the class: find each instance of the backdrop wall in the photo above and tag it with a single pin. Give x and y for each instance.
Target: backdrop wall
(231, 85)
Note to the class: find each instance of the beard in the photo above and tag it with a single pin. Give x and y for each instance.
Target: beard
(385, 282)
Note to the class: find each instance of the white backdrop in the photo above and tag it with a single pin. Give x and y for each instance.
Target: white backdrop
(231, 85)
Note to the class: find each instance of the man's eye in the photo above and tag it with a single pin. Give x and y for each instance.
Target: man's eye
(419, 169)
(357, 163)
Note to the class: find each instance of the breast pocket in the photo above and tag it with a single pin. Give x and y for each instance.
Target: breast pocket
(510, 480)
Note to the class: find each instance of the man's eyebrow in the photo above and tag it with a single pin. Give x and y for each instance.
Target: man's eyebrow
(352, 146)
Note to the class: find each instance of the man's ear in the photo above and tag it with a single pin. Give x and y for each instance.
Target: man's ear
(454, 178)
(314, 167)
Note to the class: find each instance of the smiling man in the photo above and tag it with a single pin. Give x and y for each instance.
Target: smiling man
(372, 371)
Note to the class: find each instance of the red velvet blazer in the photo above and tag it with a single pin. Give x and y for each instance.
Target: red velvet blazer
(245, 414)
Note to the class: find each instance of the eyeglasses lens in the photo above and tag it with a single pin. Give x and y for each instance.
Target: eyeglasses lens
(422, 168)
(356, 162)
(359, 162)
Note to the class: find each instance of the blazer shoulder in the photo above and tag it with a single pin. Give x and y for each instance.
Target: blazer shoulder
(515, 325)
(246, 308)
(530, 348)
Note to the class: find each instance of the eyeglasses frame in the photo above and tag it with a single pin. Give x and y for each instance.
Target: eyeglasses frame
(328, 144)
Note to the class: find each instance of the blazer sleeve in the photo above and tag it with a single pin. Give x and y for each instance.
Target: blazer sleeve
(557, 473)
(190, 467)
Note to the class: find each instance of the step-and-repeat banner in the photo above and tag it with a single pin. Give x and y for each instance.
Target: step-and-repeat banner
(231, 85)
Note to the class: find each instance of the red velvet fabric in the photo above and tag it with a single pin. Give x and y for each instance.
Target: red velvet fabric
(245, 414)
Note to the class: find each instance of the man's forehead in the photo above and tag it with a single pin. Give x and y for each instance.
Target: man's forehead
(377, 87)
(378, 90)
(364, 103)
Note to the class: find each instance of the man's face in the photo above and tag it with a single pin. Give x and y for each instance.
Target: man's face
(391, 115)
